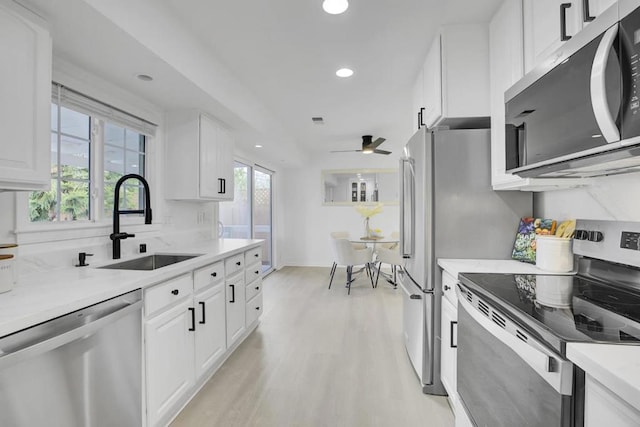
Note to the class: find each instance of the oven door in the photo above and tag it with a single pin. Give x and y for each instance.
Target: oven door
(505, 377)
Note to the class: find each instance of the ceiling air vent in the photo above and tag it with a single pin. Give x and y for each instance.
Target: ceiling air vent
(317, 120)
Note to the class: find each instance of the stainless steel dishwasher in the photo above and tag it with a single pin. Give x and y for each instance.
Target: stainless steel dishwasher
(80, 369)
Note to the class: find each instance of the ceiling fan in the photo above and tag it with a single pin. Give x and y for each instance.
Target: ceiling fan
(368, 146)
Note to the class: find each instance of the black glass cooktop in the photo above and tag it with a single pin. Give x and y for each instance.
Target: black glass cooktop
(563, 308)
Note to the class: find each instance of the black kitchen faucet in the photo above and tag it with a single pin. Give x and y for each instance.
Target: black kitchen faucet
(116, 236)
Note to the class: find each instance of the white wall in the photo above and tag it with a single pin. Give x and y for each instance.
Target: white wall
(306, 223)
(608, 198)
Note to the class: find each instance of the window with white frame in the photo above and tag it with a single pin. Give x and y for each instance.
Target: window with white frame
(92, 146)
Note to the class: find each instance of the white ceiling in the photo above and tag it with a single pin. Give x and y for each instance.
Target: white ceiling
(285, 52)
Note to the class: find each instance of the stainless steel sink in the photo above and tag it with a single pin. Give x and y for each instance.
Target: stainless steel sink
(149, 262)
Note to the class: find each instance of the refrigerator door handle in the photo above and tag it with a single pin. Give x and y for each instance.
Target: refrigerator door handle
(407, 203)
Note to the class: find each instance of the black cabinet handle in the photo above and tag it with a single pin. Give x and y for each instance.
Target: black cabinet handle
(223, 186)
(204, 320)
(257, 272)
(415, 296)
(451, 323)
(233, 293)
(239, 263)
(193, 319)
(563, 21)
(256, 255)
(587, 14)
(257, 288)
(175, 292)
(257, 308)
(214, 274)
(447, 287)
(419, 118)
(421, 123)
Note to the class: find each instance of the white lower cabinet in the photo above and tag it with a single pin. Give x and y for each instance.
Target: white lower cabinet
(169, 354)
(191, 323)
(449, 340)
(604, 408)
(235, 304)
(210, 333)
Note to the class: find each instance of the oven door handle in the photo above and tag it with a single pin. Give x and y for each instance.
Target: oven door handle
(557, 372)
(605, 120)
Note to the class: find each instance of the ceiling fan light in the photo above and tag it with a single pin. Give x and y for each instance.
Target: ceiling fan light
(367, 150)
(335, 7)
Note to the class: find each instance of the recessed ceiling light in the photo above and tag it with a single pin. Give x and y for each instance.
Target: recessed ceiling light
(144, 77)
(258, 146)
(344, 72)
(335, 7)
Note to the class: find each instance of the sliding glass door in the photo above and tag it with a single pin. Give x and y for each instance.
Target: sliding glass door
(250, 214)
(262, 213)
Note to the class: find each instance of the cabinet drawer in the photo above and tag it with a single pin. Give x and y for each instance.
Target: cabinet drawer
(252, 273)
(449, 283)
(167, 293)
(233, 264)
(253, 288)
(254, 309)
(209, 275)
(253, 255)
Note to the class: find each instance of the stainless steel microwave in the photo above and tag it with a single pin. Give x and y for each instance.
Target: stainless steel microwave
(578, 113)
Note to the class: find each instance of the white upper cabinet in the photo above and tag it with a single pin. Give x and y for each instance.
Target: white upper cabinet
(549, 23)
(456, 76)
(199, 158)
(417, 106)
(25, 100)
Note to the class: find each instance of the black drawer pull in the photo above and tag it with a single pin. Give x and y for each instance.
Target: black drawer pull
(193, 319)
(233, 293)
(257, 308)
(257, 272)
(175, 292)
(256, 255)
(239, 263)
(214, 274)
(257, 288)
(204, 320)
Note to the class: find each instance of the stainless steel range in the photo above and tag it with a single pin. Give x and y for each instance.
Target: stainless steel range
(513, 329)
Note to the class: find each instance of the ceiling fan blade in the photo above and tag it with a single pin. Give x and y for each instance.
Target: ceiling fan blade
(345, 151)
(377, 142)
(382, 152)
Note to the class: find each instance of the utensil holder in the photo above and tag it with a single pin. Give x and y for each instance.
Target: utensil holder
(7, 273)
(554, 254)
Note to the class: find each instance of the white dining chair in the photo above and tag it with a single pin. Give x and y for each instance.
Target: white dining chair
(347, 256)
(343, 235)
(392, 257)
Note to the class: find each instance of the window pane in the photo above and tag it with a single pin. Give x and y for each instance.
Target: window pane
(113, 164)
(54, 155)
(74, 158)
(42, 204)
(129, 198)
(54, 117)
(114, 135)
(74, 123)
(75, 200)
(262, 214)
(135, 141)
(132, 162)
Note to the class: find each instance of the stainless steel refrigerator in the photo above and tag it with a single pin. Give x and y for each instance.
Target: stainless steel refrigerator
(448, 210)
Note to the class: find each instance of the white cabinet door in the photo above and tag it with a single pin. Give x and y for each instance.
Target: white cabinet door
(456, 76)
(210, 338)
(604, 408)
(198, 157)
(448, 352)
(225, 164)
(417, 105)
(432, 84)
(25, 102)
(547, 25)
(235, 304)
(169, 360)
(506, 66)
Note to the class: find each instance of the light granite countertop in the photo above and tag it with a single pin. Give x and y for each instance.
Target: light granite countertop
(39, 297)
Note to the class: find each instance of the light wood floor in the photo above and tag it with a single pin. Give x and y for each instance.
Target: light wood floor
(319, 358)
